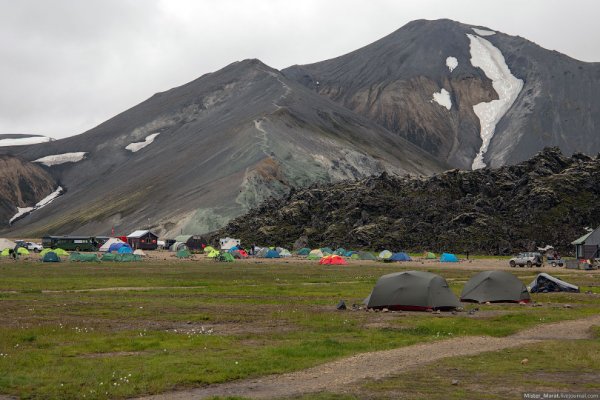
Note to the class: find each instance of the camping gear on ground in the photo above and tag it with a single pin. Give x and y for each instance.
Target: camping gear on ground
(333, 260)
(365, 255)
(6, 244)
(50, 256)
(341, 305)
(303, 251)
(495, 287)
(448, 257)
(544, 283)
(412, 290)
(183, 253)
(399, 257)
(429, 255)
(108, 243)
(224, 257)
(340, 251)
(139, 252)
(326, 250)
(315, 254)
(384, 255)
(83, 257)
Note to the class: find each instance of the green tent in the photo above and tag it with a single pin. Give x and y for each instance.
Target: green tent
(412, 290)
(365, 255)
(315, 254)
(303, 251)
(225, 257)
(50, 256)
(340, 251)
(326, 251)
(108, 257)
(429, 255)
(184, 253)
(128, 257)
(495, 286)
(355, 256)
(83, 257)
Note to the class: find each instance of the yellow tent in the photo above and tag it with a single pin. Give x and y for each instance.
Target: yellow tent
(5, 252)
(213, 254)
(22, 251)
(60, 252)
(208, 249)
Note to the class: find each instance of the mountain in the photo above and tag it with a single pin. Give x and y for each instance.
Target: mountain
(549, 199)
(445, 86)
(189, 159)
(22, 184)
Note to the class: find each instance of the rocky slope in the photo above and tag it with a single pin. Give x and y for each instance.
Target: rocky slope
(546, 200)
(424, 80)
(191, 158)
(22, 184)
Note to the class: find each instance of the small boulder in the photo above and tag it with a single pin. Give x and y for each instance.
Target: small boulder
(454, 382)
(524, 361)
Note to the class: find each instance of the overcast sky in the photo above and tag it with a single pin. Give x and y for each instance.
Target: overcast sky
(68, 65)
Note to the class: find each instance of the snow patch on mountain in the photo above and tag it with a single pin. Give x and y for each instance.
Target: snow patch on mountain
(490, 59)
(137, 146)
(483, 32)
(443, 98)
(451, 63)
(57, 159)
(42, 203)
(24, 141)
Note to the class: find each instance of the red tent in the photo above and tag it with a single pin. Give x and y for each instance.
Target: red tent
(333, 260)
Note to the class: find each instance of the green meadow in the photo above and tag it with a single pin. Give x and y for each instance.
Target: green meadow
(95, 331)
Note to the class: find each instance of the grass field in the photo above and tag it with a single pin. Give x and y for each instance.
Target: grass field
(119, 330)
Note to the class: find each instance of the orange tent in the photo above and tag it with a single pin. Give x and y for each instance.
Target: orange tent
(333, 260)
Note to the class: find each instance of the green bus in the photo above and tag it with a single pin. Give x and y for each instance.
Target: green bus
(71, 243)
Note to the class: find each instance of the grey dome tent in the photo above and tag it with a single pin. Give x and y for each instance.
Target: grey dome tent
(495, 286)
(412, 290)
(544, 283)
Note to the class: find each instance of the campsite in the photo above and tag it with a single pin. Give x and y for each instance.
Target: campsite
(195, 327)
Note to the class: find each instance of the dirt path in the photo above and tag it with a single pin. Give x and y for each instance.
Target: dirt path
(339, 374)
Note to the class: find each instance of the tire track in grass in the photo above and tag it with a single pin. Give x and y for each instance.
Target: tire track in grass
(339, 374)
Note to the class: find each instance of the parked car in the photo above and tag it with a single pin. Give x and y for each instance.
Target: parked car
(526, 259)
(555, 261)
(36, 247)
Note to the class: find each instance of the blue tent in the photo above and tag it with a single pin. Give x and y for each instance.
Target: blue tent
(125, 249)
(116, 246)
(272, 254)
(349, 253)
(400, 257)
(234, 248)
(447, 257)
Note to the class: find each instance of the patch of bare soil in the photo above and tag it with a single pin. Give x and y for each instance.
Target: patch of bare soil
(339, 374)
